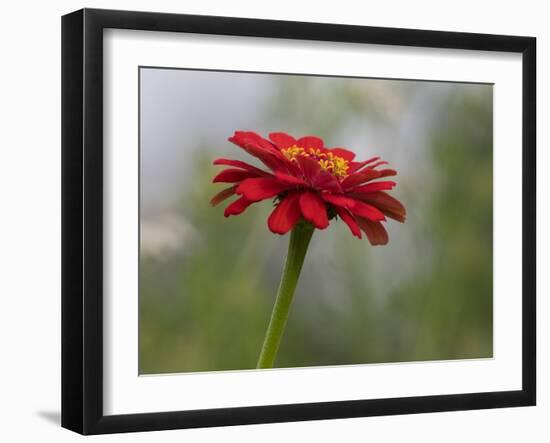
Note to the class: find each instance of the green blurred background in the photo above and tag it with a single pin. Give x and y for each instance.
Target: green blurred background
(207, 283)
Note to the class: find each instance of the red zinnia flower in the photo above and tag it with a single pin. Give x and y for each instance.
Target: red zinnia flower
(311, 182)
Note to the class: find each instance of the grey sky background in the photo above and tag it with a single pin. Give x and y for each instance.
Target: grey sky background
(182, 110)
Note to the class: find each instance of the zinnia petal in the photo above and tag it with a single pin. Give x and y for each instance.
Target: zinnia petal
(222, 195)
(290, 179)
(356, 166)
(390, 206)
(237, 207)
(378, 164)
(367, 211)
(310, 141)
(327, 182)
(359, 178)
(256, 189)
(252, 138)
(240, 164)
(338, 200)
(260, 148)
(282, 140)
(314, 209)
(309, 168)
(285, 216)
(387, 172)
(233, 176)
(376, 233)
(349, 220)
(373, 187)
(342, 152)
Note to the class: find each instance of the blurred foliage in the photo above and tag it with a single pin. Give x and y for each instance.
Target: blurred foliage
(425, 296)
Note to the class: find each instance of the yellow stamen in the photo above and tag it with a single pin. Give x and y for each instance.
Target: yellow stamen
(334, 164)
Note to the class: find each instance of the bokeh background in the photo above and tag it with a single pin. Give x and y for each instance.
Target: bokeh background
(207, 284)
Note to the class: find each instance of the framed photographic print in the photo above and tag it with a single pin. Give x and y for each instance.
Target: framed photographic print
(269, 221)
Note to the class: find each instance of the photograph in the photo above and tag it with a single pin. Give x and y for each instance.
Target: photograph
(290, 220)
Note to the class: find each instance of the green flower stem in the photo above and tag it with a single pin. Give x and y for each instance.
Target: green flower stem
(297, 248)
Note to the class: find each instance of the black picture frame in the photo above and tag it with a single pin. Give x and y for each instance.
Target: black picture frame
(82, 220)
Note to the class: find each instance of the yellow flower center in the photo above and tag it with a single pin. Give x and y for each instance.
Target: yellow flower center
(334, 164)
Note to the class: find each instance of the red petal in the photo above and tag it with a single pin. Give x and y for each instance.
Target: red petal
(233, 176)
(386, 203)
(367, 211)
(327, 182)
(314, 209)
(259, 148)
(344, 153)
(338, 200)
(239, 164)
(349, 220)
(309, 167)
(285, 216)
(237, 207)
(356, 166)
(282, 140)
(316, 176)
(256, 189)
(310, 141)
(378, 164)
(222, 195)
(373, 187)
(359, 177)
(376, 233)
(290, 179)
(252, 138)
(387, 172)
(291, 168)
